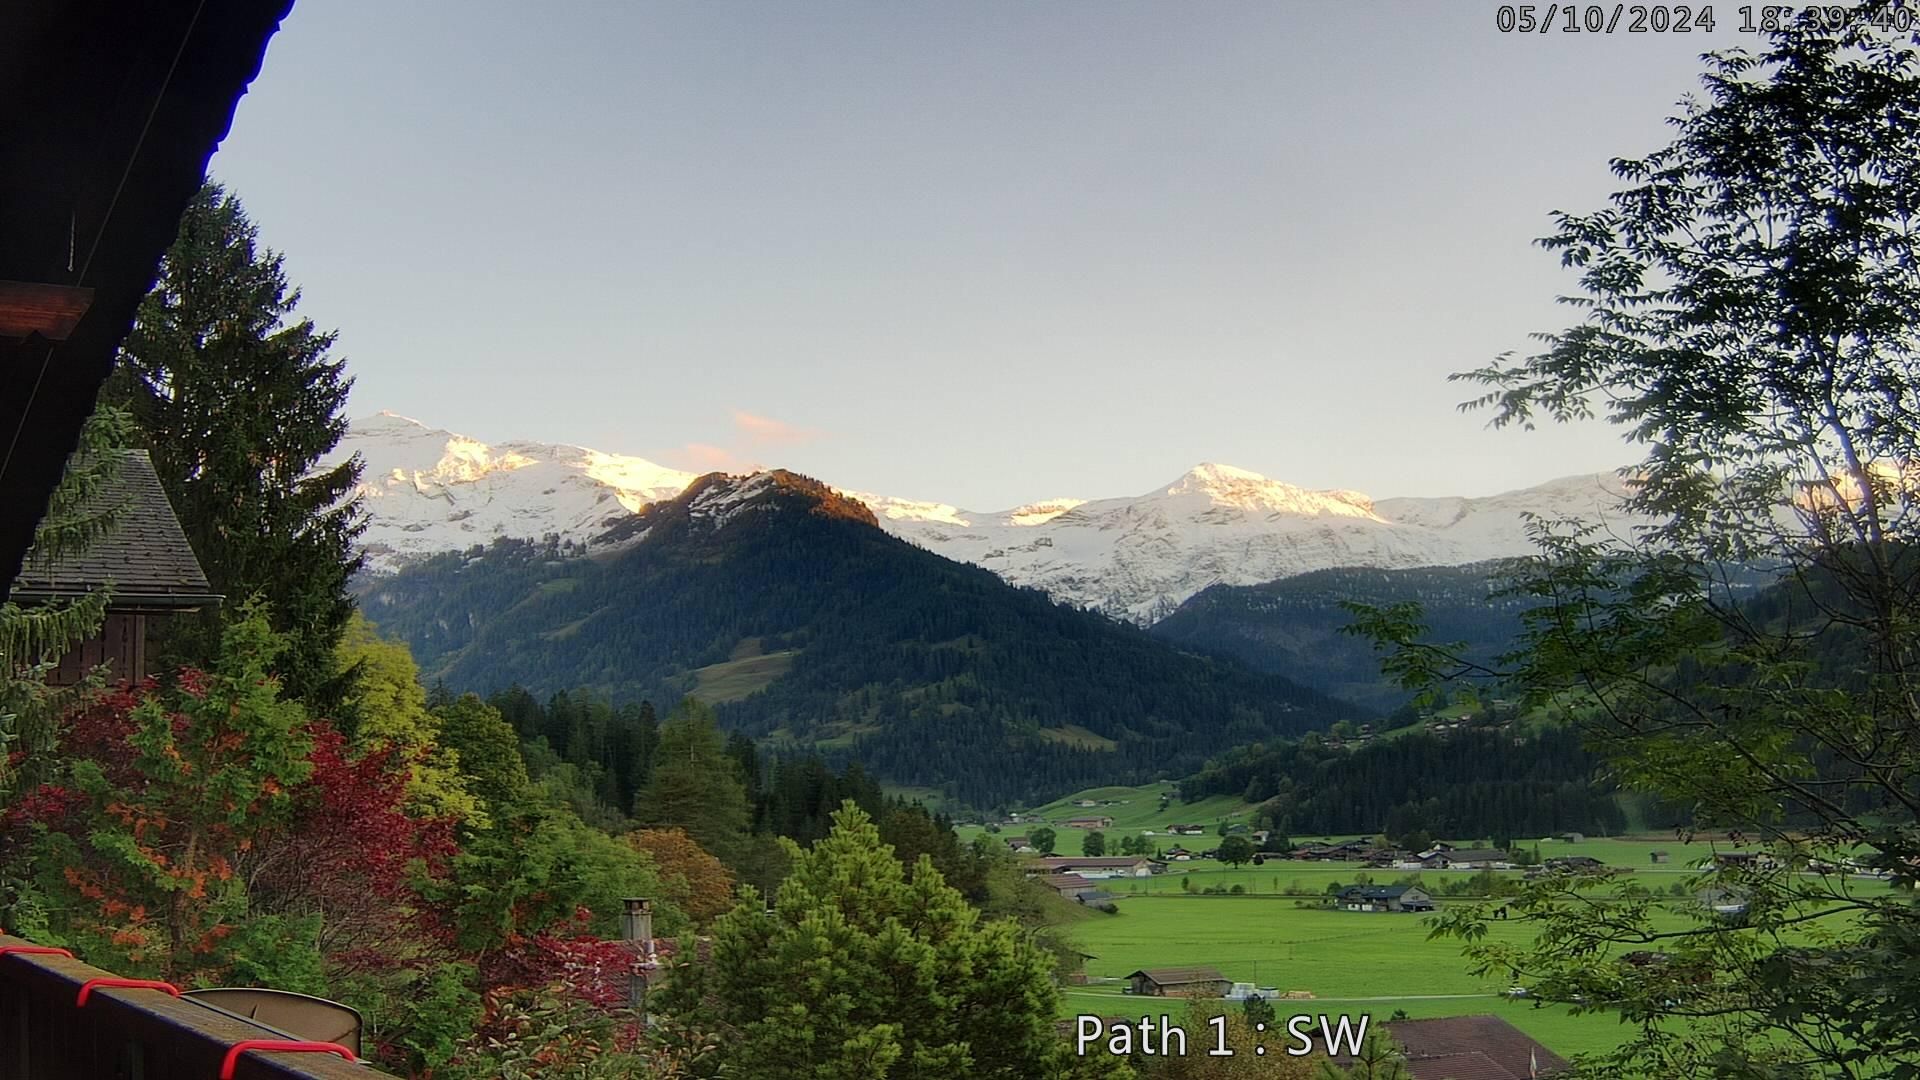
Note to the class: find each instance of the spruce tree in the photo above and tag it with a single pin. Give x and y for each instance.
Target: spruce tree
(238, 400)
(695, 784)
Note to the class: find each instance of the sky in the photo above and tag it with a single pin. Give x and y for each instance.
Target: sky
(982, 252)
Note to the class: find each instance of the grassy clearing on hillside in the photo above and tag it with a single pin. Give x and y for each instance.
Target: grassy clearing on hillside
(731, 680)
(1075, 735)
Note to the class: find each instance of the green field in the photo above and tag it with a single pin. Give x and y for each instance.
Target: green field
(1351, 962)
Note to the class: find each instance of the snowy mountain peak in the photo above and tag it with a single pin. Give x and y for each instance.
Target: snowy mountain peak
(1244, 489)
(426, 489)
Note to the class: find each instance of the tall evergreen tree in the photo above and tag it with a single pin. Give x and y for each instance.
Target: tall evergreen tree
(238, 400)
(695, 783)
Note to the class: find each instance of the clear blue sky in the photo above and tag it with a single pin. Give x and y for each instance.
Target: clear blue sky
(979, 251)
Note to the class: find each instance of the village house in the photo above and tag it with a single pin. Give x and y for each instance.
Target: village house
(1178, 854)
(1468, 859)
(143, 560)
(1090, 823)
(1020, 845)
(1179, 982)
(1384, 898)
(1345, 851)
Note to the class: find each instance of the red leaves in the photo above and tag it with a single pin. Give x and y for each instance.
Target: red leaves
(47, 804)
(587, 968)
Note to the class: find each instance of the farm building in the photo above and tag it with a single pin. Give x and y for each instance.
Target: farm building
(1068, 885)
(1110, 866)
(1469, 1048)
(1090, 823)
(1179, 982)
(1019, 845)
(1187, 830)
(1385, 898)
(1468, 859)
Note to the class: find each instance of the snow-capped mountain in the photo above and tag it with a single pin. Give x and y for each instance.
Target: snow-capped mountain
(429, 490)
(1139, 558)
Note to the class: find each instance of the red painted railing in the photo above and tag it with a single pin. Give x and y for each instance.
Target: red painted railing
(55, 1025)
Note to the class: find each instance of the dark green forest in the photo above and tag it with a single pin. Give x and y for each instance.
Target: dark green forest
(1296, 625)
(809, 629)
(1467, 783)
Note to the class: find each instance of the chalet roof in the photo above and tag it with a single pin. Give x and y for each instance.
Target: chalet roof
(1180, 975)
(1059, 881)
(1065, 862)
(1450, 1044)
(1476, 855)
(144, 557)
(1375, 892)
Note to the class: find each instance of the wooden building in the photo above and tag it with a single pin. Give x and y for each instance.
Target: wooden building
(1385, 898)
(143, 561)
(1482, 1047)
(1179, 982)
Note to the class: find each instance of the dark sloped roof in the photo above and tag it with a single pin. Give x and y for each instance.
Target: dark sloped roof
(1469, 1066)
(1476, 855)
(112, 110)
(1176, 976)
(144, 557)
(1449, 1040)
(1375, 892)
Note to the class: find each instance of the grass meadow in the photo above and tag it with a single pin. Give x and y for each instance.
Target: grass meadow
(1352, 963)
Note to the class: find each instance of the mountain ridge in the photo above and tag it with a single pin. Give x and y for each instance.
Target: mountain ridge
(428, 490)
(808, 627)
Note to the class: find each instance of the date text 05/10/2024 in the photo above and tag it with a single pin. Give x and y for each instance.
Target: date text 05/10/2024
(1627, 18)
(1164, 1037)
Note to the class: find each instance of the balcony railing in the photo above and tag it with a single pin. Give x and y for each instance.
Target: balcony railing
(132, 1033)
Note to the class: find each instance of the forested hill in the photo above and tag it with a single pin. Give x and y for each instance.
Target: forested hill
(781, 604)
(1294, 625)
(1485, 782)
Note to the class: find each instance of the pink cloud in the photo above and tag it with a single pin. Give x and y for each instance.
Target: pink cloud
(752, 435)
(706, 458)
(766, 431)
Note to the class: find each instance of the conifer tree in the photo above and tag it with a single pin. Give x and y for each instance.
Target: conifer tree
(696, 784)
(238, 400)
(863, 972)
(31, 638)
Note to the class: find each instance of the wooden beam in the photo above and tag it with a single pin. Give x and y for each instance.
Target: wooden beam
(52, 311)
